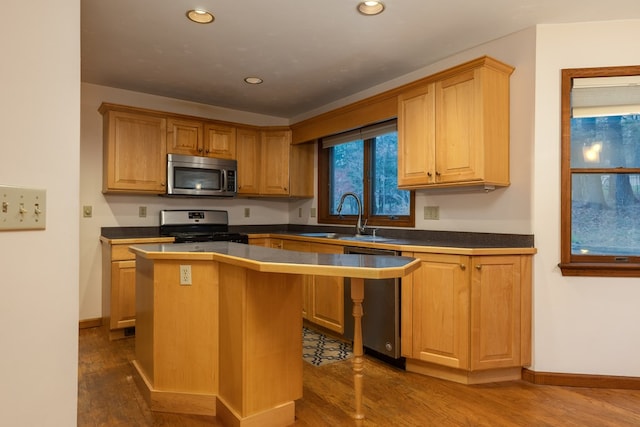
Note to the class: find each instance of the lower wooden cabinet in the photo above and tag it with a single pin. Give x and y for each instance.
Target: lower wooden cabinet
(119, 286)
(326, 295)
(322, 297)
(468, 318)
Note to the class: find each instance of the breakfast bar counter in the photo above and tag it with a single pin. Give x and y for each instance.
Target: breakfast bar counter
(219, 326)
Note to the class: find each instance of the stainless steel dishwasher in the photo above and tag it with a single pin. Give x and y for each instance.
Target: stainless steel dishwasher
(381, 307)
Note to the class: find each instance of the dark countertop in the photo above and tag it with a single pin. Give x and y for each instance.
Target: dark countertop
(403, 237)
(281, 261)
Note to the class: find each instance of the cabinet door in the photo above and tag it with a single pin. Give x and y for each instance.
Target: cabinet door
(274, 177)
(459, 142)
(439, 326)
(307, 280)
(416, 137)
(248, 156)
(123, 294)
(220, 141)
(301, 171)
(184, 137)
(134, 153)
(495, 312)
(327, 295)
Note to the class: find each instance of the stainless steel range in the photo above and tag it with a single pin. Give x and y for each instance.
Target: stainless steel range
(188, 226)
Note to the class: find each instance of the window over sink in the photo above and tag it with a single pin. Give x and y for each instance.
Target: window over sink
(364, 162)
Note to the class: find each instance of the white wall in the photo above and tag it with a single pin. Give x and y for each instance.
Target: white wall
(40, 118)
(582, 325)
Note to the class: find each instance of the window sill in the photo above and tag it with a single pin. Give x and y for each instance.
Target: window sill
(599, 269)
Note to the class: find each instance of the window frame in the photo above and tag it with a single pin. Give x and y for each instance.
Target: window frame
(576, 264)
(324, 215)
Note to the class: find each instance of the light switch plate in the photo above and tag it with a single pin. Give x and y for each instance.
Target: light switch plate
(22, 208)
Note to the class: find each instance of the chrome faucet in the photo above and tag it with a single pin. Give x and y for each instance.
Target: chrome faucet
(360, 228)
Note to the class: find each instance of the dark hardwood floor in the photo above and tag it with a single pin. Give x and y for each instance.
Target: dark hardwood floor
(107, 396)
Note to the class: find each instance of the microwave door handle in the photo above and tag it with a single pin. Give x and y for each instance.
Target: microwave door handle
(223, 187)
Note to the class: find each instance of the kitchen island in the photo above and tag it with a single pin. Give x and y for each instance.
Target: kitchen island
(219, 326)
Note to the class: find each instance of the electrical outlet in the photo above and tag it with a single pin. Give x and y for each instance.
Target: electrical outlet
(312, 212)
(185, 274)
(142, 211)
(431, 212)
(247, 212)
(299, 212)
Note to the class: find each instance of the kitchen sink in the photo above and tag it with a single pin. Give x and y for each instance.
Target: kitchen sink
(366, 238)
(323, 235)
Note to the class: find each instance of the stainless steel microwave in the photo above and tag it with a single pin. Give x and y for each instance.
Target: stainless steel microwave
(194, 176)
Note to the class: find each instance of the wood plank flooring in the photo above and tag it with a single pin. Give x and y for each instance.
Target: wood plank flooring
(107, 396)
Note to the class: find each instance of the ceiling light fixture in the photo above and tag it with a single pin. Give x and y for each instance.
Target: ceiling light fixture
(200, 16)
(370, 7)
(253, 80)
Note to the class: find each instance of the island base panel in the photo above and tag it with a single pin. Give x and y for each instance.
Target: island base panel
(260, 344)
(282, 415)
(175, 402)
(463, 376)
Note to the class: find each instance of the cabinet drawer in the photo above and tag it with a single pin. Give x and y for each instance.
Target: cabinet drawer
(121, 253)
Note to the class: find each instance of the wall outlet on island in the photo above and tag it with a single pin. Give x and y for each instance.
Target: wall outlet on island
(185, 274)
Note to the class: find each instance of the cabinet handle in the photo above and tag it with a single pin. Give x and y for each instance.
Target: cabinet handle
(479, 267)
(437, 173)
(206, 151)
(463, 267)
(199, 150)
(429, 174)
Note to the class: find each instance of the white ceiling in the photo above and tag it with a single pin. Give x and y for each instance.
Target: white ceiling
(309, 53)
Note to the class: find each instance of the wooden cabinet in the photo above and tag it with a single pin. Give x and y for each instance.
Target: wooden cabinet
(322, 296)
(119, 286)
(468, 318)
(184, 136)
(274, 162)
(453, 130)
(200, 138)
(134, 151)
(136, 143)
(268, 165)
(248, 155)
(326, 295)
(219, 141)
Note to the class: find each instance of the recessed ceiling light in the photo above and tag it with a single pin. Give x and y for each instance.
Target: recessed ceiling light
(200, 16)
(253, 80)
(370, 7)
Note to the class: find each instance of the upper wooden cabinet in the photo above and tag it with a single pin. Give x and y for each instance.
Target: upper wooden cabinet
(468, 318)
(248, 155)
(453, 129)
(136, 143)
(268, 165)
(200, 138)
(134, 158)
(184, 136)
(219, 141)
